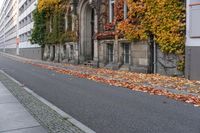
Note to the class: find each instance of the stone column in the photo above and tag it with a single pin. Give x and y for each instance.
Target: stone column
(116, 51)
(46, 52)
(96, 48)
(116, 54)
(51, 53)
(76, 53)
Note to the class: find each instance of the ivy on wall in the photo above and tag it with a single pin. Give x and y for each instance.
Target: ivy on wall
(38, 32)
(50, 25)
(164, 19)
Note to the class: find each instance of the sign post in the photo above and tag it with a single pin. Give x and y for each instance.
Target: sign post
(17, 47)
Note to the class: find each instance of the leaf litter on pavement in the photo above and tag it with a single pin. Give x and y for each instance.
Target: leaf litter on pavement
(176, 88)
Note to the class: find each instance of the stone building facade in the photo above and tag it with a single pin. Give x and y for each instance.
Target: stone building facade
(93, 23)
(98, 46)
(89, 21)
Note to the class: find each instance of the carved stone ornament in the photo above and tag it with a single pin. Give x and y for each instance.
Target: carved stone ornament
(92, 3)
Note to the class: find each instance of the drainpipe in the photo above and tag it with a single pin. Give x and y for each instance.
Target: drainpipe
(98, 28)
(155, 57)
(97, 39)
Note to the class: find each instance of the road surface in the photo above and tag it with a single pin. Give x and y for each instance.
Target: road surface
(104, 108)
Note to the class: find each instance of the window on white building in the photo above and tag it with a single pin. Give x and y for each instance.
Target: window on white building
(111, 10)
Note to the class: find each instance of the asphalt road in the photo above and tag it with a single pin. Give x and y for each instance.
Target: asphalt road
(104, 108)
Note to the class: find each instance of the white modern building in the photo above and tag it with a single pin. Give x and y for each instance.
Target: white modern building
(192, 67)
(16, 23)
(8, 24)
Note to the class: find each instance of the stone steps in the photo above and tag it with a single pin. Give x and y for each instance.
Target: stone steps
(124, 68)
(90, 63)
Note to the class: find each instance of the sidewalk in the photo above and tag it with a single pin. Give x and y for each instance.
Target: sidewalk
(14, 118)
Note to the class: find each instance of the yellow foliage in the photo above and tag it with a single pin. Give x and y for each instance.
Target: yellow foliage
(133, 27)
(47, 4)
(165, 19)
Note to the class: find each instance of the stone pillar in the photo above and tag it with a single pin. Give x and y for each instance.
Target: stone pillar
(96, 48)
(116, 54)
(120, 54)
(76, 54)
(62, 52)
(46, 52)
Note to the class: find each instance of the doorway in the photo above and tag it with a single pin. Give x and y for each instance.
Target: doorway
(87, 25)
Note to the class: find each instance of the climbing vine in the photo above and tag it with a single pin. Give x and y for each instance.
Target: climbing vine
(164, 19)
(51, 15)
(133, 27)
(38, 32)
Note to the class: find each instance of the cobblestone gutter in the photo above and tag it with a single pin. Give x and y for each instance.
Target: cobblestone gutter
(46, 116)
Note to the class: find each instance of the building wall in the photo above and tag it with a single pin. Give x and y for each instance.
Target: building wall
(31, 53)
(192, 65)
(167, 64)
(138, 55)
(25, 20)
(16, 22)
(8, 24)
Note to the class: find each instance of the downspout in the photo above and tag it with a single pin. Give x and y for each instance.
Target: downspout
(98, 22)
(99, 2)
(155, 56)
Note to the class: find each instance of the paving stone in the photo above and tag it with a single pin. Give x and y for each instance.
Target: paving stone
(16, 120)
(4, 92)
(7, 98)
(6, 108)
(13, 116)
(28, 130)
